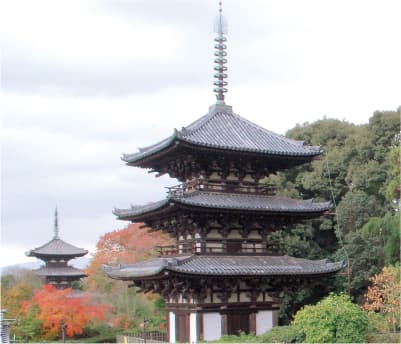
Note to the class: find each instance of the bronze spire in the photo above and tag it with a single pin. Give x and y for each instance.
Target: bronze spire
(220, 54)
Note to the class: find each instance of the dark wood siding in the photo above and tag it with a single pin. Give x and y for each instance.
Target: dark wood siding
(182, 327)
(237, 322)
(234, 246)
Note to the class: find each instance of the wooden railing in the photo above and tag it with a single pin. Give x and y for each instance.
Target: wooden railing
(207, 185)
(201, 247)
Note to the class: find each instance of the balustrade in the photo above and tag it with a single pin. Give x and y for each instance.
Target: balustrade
(205, 247)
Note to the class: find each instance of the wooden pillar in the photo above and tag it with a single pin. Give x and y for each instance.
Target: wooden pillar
(224, 325)
(252, 323)
(200, 326)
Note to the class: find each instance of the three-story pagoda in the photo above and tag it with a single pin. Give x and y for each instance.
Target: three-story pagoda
(56, 254)
(222, 276)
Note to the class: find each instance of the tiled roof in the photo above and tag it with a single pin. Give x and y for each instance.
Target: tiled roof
(150, 267)
(222, 129)
(225, 266)
(57, 247)
(232, 201)
(60, 271)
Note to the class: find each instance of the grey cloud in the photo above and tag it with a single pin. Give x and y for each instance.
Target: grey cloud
(38, 75)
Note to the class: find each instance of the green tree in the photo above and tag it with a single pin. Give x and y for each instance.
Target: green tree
(355, 209)
(333, 320)
(359, 172)
(392, 187)
(383, 126)
(387, 232)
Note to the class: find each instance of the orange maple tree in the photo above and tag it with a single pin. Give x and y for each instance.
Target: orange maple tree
(55, 307)
(129, 245)
(384, 294)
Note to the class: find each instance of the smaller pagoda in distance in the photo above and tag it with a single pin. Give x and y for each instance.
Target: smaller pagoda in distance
(56, 254)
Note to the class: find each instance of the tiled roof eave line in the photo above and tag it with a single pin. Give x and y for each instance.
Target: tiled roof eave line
(185, 202)
(250, 276)
(198, 144)
(151, 151)
(287, 211)
(178, 137)
(55, 254)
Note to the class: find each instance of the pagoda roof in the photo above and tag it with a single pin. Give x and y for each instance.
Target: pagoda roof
(67, 271)
(221, 129)
(57, 247)
(224, 266)
(227, 201)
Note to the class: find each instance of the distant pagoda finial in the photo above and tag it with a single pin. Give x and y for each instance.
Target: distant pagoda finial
(56, 231)
(220, 60)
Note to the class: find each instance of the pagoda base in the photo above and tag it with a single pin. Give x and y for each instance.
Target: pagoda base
(208, 323)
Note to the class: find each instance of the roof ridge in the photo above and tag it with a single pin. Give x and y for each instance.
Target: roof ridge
(204, 120)
(299, 143)
(198, 124)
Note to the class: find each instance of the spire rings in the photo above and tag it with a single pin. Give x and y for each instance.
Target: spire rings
(220, 57)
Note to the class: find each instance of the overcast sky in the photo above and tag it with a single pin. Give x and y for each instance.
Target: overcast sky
(85, 81)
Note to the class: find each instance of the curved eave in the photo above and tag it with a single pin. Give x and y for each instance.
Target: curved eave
(231, 204)
(151, 268)
(64, 272)
(332, 268)
(203, 201)
(138, 212)
(147, 153)
(147, 158)
(47, 256)
(127, 274)
(216, 266)
(261, 152)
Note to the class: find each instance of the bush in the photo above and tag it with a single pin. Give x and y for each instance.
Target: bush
(282, 334)
(333, 320)
(242, 338)
(99, 333)
(383, 338)
(377, 323)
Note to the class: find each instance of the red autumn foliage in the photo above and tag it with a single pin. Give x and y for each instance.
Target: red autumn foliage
(57, 306)
(128, 245)
(384, 296)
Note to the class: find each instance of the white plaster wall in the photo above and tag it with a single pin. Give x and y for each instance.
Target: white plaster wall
(254, 234)
(211, 326)
(234, 234)
(171, 327)
(193, 330)
(233, 297)
(244, 297)
(265, 320)
(213, 234)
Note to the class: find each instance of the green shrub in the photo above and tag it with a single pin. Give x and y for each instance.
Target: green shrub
(99, 333)
(282, 334)
(242, 338)
(377, 323)
(384, 338)
(333, 320)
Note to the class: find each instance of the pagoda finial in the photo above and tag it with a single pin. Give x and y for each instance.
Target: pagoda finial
(220, 60)
(56, 231)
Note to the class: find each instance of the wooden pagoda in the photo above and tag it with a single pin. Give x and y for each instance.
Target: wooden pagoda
(222, 276)
(56, 254)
